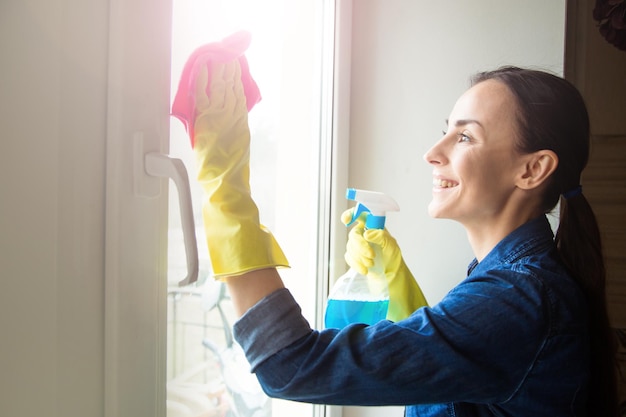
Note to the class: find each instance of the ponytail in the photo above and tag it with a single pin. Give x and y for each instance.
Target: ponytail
(579, 244)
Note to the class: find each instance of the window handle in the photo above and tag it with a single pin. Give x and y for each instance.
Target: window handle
(159, 165)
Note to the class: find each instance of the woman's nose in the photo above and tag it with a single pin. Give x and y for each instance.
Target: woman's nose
(434, 156)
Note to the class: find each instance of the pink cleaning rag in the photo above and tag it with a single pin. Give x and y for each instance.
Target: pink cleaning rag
(230, 48)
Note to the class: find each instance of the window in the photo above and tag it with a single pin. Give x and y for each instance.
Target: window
(290, 164)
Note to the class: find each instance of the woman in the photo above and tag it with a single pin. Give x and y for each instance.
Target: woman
(525, 334)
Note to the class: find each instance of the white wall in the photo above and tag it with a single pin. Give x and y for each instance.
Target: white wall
(52, 125)
(410, 61)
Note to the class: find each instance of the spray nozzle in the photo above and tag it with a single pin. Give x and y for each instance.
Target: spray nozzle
(374, 204)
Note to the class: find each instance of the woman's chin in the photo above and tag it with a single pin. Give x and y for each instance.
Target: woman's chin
(434, 211)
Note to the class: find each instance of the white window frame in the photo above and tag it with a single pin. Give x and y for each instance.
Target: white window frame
(136, 205)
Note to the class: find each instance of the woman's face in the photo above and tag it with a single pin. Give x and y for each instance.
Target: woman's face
(475, 162)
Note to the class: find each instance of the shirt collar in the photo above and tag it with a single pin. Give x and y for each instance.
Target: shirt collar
(527, 238)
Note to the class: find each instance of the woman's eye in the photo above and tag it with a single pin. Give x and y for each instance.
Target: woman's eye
(463, 137)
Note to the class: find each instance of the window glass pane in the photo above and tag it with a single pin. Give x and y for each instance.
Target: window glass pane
(206, 372)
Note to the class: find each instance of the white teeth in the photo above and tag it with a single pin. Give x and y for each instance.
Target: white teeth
(443, 183)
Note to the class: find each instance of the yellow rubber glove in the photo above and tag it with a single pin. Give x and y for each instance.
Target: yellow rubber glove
(405, 295)
(236, 239)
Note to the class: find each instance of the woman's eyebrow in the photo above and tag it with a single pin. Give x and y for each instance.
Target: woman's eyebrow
(464, 122)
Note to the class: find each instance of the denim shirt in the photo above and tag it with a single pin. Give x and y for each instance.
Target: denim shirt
(510, 340)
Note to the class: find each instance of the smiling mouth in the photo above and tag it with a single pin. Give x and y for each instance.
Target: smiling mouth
(444, 183)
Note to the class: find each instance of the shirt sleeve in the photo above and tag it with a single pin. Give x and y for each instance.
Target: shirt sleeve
(272, 324)
(476, 345)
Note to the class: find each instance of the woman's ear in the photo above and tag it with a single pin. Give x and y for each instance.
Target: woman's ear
(539, 166)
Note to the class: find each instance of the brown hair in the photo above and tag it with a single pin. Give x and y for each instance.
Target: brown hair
(552, 115)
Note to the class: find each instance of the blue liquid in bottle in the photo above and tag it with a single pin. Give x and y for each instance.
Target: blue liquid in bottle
(340, 313)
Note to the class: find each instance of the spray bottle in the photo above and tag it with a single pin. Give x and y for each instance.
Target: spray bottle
(356, 298)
